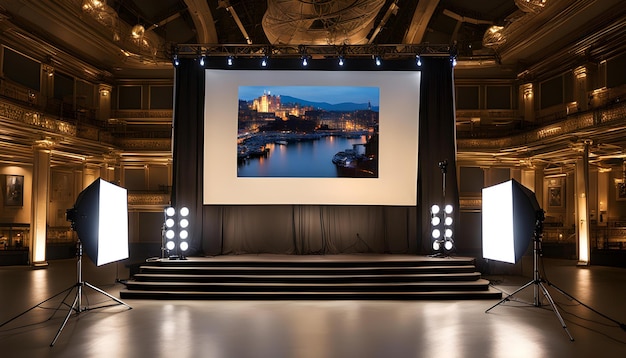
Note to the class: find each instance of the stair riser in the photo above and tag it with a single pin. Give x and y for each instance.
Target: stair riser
(326, 272)
(311, 296)
(296, 279)
(302, 288)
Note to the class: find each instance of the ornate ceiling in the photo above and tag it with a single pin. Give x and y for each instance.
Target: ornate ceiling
(525, 40)
(127, 36)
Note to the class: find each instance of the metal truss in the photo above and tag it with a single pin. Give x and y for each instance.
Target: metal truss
(386, 51)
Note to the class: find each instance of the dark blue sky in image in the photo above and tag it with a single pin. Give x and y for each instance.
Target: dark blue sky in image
(328, 94)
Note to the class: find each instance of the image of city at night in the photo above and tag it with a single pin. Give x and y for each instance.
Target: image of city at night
(308, 132)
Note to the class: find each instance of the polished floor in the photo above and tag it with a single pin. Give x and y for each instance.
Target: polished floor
(313, 328)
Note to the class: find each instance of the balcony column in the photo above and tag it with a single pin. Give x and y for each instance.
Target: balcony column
(47, 84)
(39, 216)
(103, 112)
(581, 88)
(528, 102)
(581, 190)
(107, 169)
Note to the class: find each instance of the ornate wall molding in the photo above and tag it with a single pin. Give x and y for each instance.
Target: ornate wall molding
(148, 199)
(37, 119)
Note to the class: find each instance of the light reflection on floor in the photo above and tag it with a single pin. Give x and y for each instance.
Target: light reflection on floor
(317, 329)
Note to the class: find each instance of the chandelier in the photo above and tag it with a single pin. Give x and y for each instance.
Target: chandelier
(494, 36)
(533, 6)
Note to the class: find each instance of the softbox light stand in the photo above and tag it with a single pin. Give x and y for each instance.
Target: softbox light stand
(538, 282)
(76, 306)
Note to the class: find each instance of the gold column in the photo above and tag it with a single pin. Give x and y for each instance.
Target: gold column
(582, 205)
(41, 183)
(540, 176)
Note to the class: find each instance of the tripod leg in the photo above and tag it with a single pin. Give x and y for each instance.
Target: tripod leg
(556, 311)
(106, 294)
(509, 296)
(68, 290)
(67, 317)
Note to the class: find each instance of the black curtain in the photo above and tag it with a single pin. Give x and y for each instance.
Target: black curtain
(314, 229)
(188, 139)
(436, 144)
(310, 229)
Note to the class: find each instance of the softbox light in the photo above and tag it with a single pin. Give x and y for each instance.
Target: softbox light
(100, 218)
(509, 214)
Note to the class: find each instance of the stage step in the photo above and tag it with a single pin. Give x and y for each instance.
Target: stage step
(386, 277)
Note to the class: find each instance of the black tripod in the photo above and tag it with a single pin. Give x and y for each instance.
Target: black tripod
(76, 304)
(538, 281)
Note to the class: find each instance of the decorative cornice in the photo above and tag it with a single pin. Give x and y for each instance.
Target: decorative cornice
(155, 144)
(148, 199)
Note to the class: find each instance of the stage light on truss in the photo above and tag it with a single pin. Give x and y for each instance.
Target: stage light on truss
(264, 61)
(341, 60)
(229, 61)
(377, 60)
(202, 61)
(418, 60)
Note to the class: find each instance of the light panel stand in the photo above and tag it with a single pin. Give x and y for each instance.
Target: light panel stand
(76, 306)
(539, 282)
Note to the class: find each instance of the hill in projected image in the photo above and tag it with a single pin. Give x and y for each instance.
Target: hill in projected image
(308, 131)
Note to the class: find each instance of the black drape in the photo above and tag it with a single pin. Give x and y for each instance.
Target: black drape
(188, 139)
(436, 143)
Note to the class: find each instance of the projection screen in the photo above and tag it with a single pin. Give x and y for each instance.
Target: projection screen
(398, 112)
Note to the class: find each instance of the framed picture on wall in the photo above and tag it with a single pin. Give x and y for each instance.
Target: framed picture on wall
(555, 196)
(620, 191)
(14, 190)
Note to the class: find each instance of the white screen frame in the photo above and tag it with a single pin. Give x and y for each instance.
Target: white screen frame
(398, 117)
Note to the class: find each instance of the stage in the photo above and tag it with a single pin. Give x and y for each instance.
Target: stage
(317, 277)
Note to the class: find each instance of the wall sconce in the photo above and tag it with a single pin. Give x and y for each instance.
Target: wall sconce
(104, 92)
(49, 70)
(580, 72)
(528, 90)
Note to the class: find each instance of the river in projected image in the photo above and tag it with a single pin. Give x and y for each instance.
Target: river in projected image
(304, 158)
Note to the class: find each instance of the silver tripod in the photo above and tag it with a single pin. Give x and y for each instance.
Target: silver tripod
(538, 281)
(76, 306)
